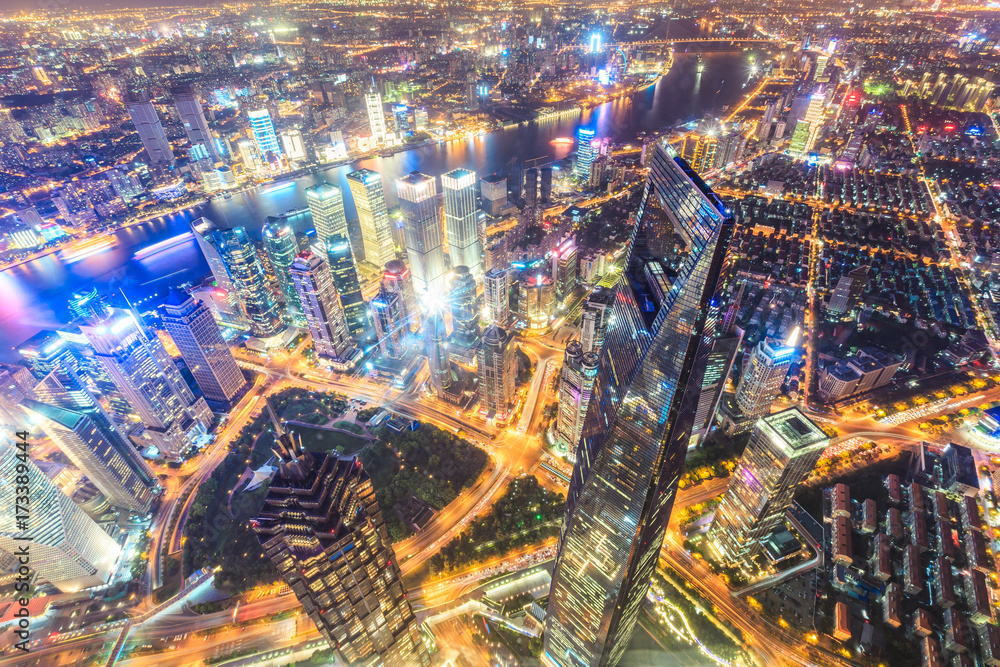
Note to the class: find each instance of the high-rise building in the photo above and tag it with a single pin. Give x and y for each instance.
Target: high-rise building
(246, 272)
(636, 432)
(320, 305)
(188, 105)
(203, 229)
(88, 303)
(263, 133)
(334, 552)
(396, 280)
(724, 348)
(294, 145)
(147, 124)
(576, 382)
(535, 298)
(493, 190)
(763, 374)
(147, 378)
(782, 451)
(515, 179)
(373, 216)
(565, 268)
(461, 217)
(281, 248)
(496, 284)
(109, 461)
(531, 187)
(586, 150)
(389, 315)
(497, 368)
(545, 185)
(326, 204)
(422, 224)
(67, 548)
(462, 298)
(376, 115)
(196, 335)
(847, 292)
(595, 311)
(345, 279)
(436, 349)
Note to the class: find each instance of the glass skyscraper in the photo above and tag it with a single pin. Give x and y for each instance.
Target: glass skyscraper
(263, 133)
(240, 258)
(281, 248)
(422, 224)
(586, 151)
(461, 217)
(321, 306)
(373, 216)
(326, 204)
(345, 279)
(637, 427)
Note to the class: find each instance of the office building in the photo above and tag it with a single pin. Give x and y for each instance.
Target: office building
(263, 134)
(848, 292)
(389, 315)
(576, 383)
(422, 225)
(763, 374)
(345, 279)
(108, 460)
(87, 303)
(515, 179)
(497, 368)
(496, 284)
(535, 299)
(236, 249)
(545, 185)
(281, 248)
(333, 551)
(396, 280)
(586, 150)
(596, 308)
(493, 191)
(722, 355)
(436, 349)
(461, 217)
(203, 145)
(147, 124)
(67, 548)
(782, 451)
(326, 205)
(376, 116)
(320, 305)
(635, 437)
(565, 269)
(531, 187)
(462, 298)
(206, 354)
(294, 145)
(373, 216)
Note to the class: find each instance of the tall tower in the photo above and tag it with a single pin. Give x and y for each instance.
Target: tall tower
(782, 450)
(237, 252)
(596, 309)
(326, 204)
(281, 248)
(376, 115)
(461, 216)
(497, 366)
(88, 303)
(720, 362)
(345, 279)
(68, 549)
(497, 289)
(263, 133)
(203, 229)
(196, 335)
(636, 432)
(576, 383)
(147, 124)
(436, 348)
(493, 190)
(396, 279)
(107, 459)
(389, 315)
(763, 374)
(422, 225)
(321, 306)
(203, 145)
(462, 298)
(322, 528)
(586, 150)
(531, 186)
(373, 216)
(545, 185)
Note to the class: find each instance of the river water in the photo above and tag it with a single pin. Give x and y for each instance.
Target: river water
(33, 296)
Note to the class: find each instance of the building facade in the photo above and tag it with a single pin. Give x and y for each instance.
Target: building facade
(461, 217)
(497, 368)
(321, 306)
(422, 226)
(373, 216)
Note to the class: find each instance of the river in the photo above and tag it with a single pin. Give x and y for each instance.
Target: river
(33, 296)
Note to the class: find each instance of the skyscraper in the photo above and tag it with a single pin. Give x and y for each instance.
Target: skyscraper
(281, 248)
(762, 377)
(782, 450)
(396, 280)
(576, 382)
(596, 308)
(147, 378)
(321, 306)
(586, 150)
(565, 268)
(530, 187)
(203, 145)
(326, 204)
(196, 335)
(322, 528)
(345, 279)
(436, 349)
(110, 462)
(147, 124)
(376, 115)
(493, 190)
(88, 303)
(636, 432)
(720, 362)
(68, 549)
(462, 298)
(422, 224)
(497, 290)
(848, 291)
(203, 229)
(461, 217)
(389, 316)
(240, 258)
(263, 133)
(545, 185)
(497, 368)
(373, 216)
